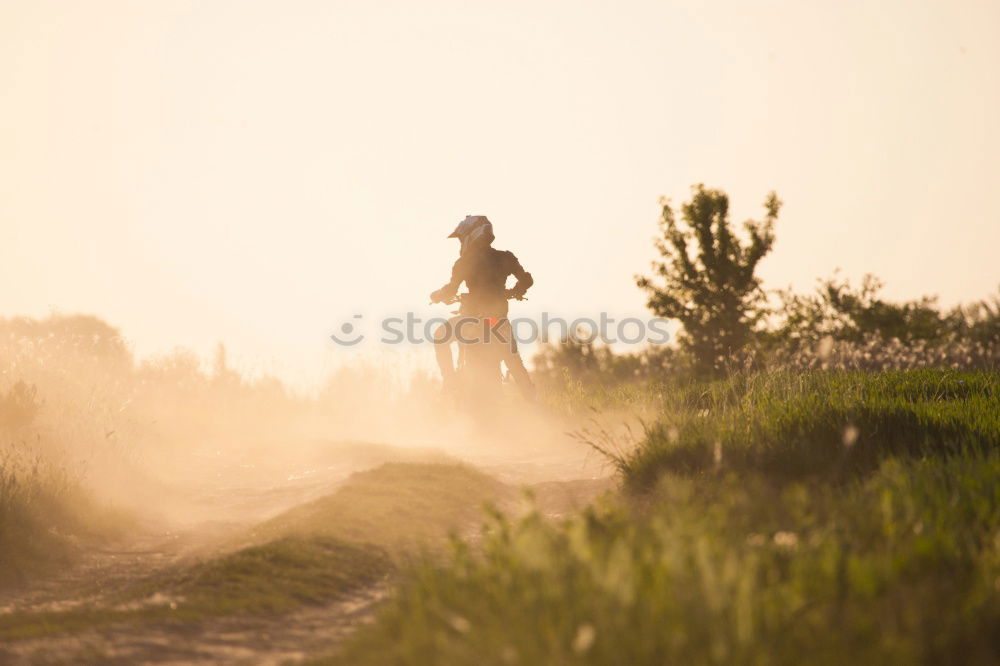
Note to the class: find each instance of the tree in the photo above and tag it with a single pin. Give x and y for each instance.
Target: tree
(842, 312)
(978, 321)
(222, 374)
(714, 291)
(59, 337)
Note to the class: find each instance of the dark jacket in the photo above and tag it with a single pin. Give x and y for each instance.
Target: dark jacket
(485, 272)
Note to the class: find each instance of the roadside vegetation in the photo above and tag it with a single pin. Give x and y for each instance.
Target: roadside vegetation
(830, 518)
(46, 514)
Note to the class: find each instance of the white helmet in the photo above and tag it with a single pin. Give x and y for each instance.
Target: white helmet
(474, 231)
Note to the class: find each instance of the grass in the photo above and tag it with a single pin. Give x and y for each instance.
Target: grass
(792, 544)
(821, 517)
(275, 577)
(28, 493)
(824, 425)
(45, 516)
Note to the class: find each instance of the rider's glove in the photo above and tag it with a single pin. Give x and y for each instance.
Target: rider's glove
(512, 293)
(436, 296)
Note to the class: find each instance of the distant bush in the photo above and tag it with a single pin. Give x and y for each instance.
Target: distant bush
(978, 322)
(79, 417)
(838, 327)
(61, 336)
(874, 353)
(842, 312)
(573, 360)
(18, 406)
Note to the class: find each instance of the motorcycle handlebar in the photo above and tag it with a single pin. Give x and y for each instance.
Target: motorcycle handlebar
(458, 298)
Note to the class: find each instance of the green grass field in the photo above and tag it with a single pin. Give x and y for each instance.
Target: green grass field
(779, 518)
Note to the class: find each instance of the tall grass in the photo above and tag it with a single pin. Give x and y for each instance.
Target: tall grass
(831, 425)
(32, 496)
(45, 515)
(54, 419)
(900, 568)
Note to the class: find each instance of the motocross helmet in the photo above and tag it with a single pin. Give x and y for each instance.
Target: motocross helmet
(474, 231)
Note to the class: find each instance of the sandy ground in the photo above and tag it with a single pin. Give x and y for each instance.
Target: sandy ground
(226, 495)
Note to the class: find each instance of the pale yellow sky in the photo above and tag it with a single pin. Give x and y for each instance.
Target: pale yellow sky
(256, 171)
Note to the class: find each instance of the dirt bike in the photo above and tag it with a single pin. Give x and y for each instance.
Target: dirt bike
(483, 343)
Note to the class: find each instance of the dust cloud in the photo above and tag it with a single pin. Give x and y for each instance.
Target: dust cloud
(180, 444)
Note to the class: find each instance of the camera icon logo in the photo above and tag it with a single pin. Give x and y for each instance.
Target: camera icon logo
(348, 329)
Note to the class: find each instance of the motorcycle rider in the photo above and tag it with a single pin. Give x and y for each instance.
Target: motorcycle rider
(485, 270)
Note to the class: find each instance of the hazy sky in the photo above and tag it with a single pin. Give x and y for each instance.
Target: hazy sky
(258, 171)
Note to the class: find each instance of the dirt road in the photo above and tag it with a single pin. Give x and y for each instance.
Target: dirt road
(70, 607)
